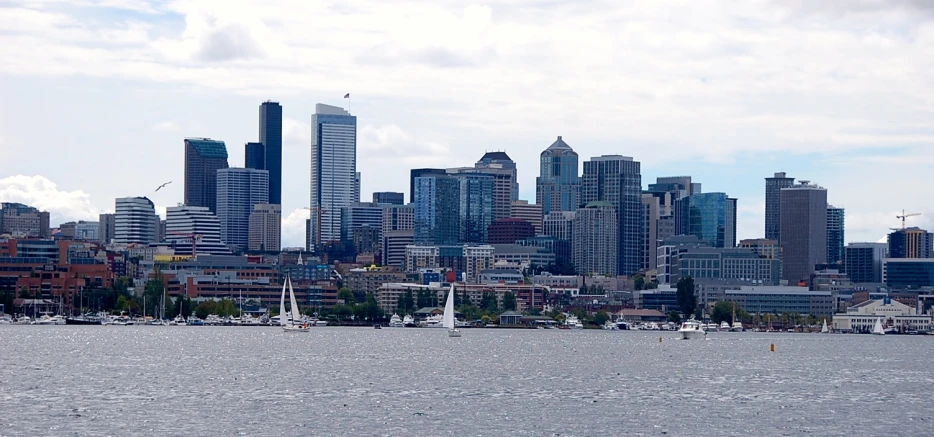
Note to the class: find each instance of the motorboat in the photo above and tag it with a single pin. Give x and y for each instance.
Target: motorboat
(724, 326)
(50, 320)
(395, 321)
(572, 322)
(652, 326)
(24, 320)
(622, 325)
(434, 321)
(737, 326)
(447, 320)
(610, 326)
(711, 327)
(408, 321)
(180, 321)
(87, 319)
(692, 329)
(319, 322)
(193, 320)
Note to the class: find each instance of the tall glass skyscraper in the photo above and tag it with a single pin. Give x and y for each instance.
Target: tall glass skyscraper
(836, 221)
(617, 180)
(773, 204)
(270, 135)
(437, 210)
(333, 170)
(203, 157)
(254, 156)
(711, 217)
(238, 191)
(476, 207)
(557, 187)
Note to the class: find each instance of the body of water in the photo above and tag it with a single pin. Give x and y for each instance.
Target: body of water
(199, 381)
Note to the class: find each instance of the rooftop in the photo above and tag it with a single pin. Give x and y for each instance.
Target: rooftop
(208, 148)
(496, 156)
(559, 144)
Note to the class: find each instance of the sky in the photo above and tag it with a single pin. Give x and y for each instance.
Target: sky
(96, 96)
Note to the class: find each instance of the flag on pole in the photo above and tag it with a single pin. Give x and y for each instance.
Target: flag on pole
(347, 96)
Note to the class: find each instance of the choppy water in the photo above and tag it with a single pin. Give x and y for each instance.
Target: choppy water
(65, 380)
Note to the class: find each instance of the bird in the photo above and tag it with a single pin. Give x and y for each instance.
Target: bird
(160, 186)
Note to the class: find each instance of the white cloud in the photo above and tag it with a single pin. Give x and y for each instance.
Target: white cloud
(293, 228)
(42, 193)
(170, 126)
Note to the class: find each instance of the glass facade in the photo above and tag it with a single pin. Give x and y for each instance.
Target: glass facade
(835, 234)
(558, 184)
(333, 170)
(203, 158)
(270, 136)
(617, 180)
(913, 273)
(476, 207)
(711, 217)
(437, 210)
(773, 204)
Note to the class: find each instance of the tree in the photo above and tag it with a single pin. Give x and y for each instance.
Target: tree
(601, 318)
(673, 316)
(423, 300)
(488, 302)
(347, 295)
(509, 301)
(121, 303)
(722, 312)
(686, 298)
(406, 303)
(639, 281)
(24, 293)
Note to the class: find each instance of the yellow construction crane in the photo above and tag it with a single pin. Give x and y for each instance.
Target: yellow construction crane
(904, 216)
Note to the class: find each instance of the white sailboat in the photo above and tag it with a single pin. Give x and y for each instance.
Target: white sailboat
(824, 329)
(448, 318)
(286, 319)
(877, 328)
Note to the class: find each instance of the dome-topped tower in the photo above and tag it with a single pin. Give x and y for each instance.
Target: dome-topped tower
(558, 186)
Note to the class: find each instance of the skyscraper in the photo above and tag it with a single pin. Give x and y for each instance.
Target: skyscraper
(389, 198)
(864, 262)
(333, 170)
(532, 213)
(270, 135)
(420, 172)
(254, 156)
(500, 162)
(594, 228)
(357, 215)
(135, 221)
(22, 220)
(356, 188)
(238, 191)
(558, 186)
(617, 180)
(911, 242)
(651, 210)
(105, 223)
(711, 217)
(182, 223)
(679, 186)
(437, 210)
(803, 234)
(773, 204)
(203, 157)
(266, 227)
(835, 234)
(476, 207)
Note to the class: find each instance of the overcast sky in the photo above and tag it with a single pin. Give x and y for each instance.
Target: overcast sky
(96, 96)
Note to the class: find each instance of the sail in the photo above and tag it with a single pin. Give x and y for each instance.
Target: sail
(824, 328)
(283, 316)
(877, 329)
(448, 320)
(296, 313)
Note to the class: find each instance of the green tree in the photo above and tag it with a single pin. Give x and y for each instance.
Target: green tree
(601, 318)
(122, 303)
(509, 301)
(488, 302)
(347, 295)
(423, 300)
(685, 295)
(342, 312)
(674, 316)
(406, 304)
(205, 308)
(722, 312)
(639, 281)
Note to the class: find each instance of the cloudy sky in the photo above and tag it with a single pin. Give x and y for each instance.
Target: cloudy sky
(97, 95)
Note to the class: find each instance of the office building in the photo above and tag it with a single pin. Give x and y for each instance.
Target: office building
(763, 247)
(522, 209)
(710, 217)
(521, 256)
(333, 170)
(803, 235)
(80, 231)
(422, 172)
(23, 221)
(357, 215)
(510, 230)
(394, 244)
(357, 182)
(254, 156)
(863, 262)
(238, 191)
(476, 207)
(203, 158)
(506, 182)
(595, 239)
(105, 228)
(557, 188)
(773, 204)
(782, 300)
(270, 136)
(617, 180)
(561, 248)
(835, 234)
(466, 259)
(135, 221)
(186, 223)
(910, 243)
(651, 210)
(389, 198)
(367, 239)
(398, 217)
(266, 228)
(559, 224)
(678, 187)
(437, 210)
(908, 272)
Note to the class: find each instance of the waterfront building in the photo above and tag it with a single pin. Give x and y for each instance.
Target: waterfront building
(509, 230)
(595, 239)
(194, 230)
(135, 221)
(527, 296)
(266, 228)
(908, 272)
(863, 316)
(911, 242)
(836, 239)
(437, 210)
(558, 185)
(803, 230)
(203, 158)
(532, 213)
(683, 256)
(773, 204)
(270, 136)
(333, 171)
(239, 190)
(389, 197)
(617, 180)
(863, 262)
(105, 228)
(779, 300)
(25, 221)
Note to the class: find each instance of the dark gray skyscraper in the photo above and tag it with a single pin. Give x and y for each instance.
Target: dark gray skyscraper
(804, 230)
(254, 156)
(270, 135)
(617, 179)
(558, 185)
(835, 234)
(773, 204)
(389, 197)
(203, 158)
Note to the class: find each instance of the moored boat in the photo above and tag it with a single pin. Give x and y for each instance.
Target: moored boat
(692, 329)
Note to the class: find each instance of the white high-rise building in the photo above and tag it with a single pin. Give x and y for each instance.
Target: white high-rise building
(135, 221)
(333, 171)
(238, 191)
(182, 223)
(266, 227)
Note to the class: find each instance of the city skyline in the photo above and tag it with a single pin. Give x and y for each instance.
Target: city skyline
(728, 128)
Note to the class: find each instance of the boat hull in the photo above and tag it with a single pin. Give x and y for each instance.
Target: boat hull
(82, 322)
(692, 335)
(454, 333)
(295, 329)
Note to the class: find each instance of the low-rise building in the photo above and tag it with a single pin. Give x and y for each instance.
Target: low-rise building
(369, 279)
(892, 314)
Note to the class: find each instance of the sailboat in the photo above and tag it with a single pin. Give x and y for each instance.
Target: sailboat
(448, 319)
(289, 320)
(823, 329)
(877, 328)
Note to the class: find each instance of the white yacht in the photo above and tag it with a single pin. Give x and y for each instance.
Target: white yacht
(180, 321)
(395, 321)
(408, 321)
(622, 325)
(652, 326)
(572, 322)
(724, 326)
(824, 329)
(610, 326)
(711, 327)
(737, 326)
(434, 321)
(692, 329)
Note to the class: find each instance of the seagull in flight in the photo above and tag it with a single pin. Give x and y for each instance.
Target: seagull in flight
(163, 185)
